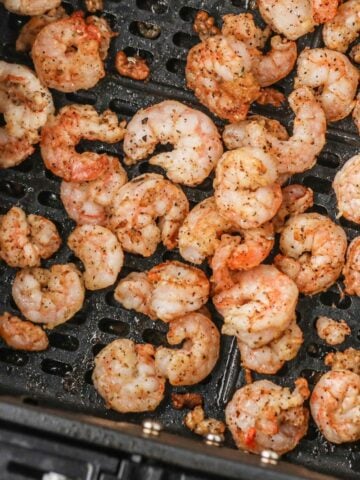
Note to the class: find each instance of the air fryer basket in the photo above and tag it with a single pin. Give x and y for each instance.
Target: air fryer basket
(61, 376)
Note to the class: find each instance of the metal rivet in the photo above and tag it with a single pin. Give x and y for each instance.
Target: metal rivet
(269, 457)
(214, 439)
(151, 428)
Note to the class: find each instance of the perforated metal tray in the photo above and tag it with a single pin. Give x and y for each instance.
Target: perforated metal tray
(61, 376)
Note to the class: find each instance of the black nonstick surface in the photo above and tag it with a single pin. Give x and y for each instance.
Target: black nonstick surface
(61, 376)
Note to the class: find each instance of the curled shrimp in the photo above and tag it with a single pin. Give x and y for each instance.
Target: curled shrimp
(30, 7)
(295, 199)
(22, 335)
(13, 150)
(344, 28)
(246, 192)
(351, 270)
(126, 378)
(259, 307)
(25, 240)
(313, 252)
(333, 73)
(67, 56)
(198, 354)
(264, 416)
(196, 141)
(332, 331)
(356, 112)
(65, 130)
(347, 190)
(145, 211)
(295, 154)
(349, 359)
(89, 202)
(167, 291)
(100, 252)
(269, 358)
(50, 296)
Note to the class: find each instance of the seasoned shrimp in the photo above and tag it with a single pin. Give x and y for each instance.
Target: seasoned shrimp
(147, 210)
(25, 240)
(13, 150)
(349, 359)
(246, 192)
(259, 307)
(219, 71)
(333, 73)
(269, 358)
(295, 18)
(100, 252)
(196, 422)
(295, 154)
(64, 131)
(126, 378)
(355, 53)
(344, 28)
(49, 296)
(168, 291)
(347, 189)
(30, 7)
(243, 28)
(356, 112)
(332, 331)
(313, 252)
(22, 335)
(67, 56)
(196, 141)
(265, 416)
(295, 199)
(198, 354)
(88, 202)
(351, 270)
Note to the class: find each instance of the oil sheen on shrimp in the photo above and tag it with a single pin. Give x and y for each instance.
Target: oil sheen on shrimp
(30, 7)
(347, 189)
(100, 252)
(246, 188)
(199, 352)
(344, 28)
(334, 74)
(25, 240)
(147, 210)
(351, 270)
(126, 378)
(259, 307)
(264, 416)
(22, 335)
(312, 252)
(194, 136)
(89, 202)
(50, 296)
(64, 131)
(67, 56)
(167, 291)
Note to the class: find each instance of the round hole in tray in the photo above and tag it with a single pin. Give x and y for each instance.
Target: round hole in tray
(114, 327)
(334, 299)
(316, 350)
(175, 65)
(184, 40)
(12, 189)
(150, 31)
(49, 199)
(329, 159)
(63, 342)
(54, 367)
(19, 359)
(188, 14)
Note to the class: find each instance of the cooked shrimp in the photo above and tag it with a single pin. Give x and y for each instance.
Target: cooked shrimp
(126, 378)
(333, 73)
(265, 416)
(269, 358)
(88, 202)
(347, 189)
(13, 150)
(219, 71)
(356, 112)
(344, 28)
(168, 291)
(49, 296)
(22, 335)
(313, 252)
(199, 352)
(246, 192)
(242, 27)
(100, 252)
(335, 406)
(332, 331)
(295, 154)
(349, 359)
(355, 53)
(65, 130)
(30, 30)
(30, 7)
(25, 240)
(67, 56)
(351, 270)
(196, 141)
(295, 199)
(259, 307)
(196, 422)
(199, 235)
(25, 103)
(147, 210)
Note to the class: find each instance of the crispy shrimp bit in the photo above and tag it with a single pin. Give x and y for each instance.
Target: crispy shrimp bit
(351, 269)
(197, 423)
(133, 67)
(332, 331)
(22, 335)
(349, 359)
(271, 96)
(186, 400)
(347, 189)
(204, 25)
